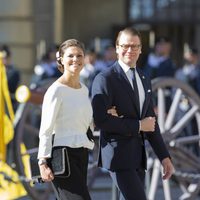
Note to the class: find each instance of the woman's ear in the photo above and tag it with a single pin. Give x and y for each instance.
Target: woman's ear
(61, 60)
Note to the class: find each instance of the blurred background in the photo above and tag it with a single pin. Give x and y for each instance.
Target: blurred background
(31, 27)
(30, 33)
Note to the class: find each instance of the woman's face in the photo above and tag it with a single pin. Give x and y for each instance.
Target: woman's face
(73, 60)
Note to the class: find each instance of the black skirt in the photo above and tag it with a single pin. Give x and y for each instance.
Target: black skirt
(74, 187)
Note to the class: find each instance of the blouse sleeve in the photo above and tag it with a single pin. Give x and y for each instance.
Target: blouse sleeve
(50, 108)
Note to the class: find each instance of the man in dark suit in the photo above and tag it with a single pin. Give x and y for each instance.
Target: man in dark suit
(123, 111)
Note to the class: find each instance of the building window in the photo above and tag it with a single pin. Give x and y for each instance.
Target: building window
(164, 10)
(141, 9)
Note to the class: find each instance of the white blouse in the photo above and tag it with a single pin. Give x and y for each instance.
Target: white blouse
(67, 113)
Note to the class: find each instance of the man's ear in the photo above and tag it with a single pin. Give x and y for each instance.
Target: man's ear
(117, 49)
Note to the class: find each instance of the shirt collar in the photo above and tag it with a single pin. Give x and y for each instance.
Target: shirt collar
(124, 66)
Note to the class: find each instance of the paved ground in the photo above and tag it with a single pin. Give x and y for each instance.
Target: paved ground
(108, 193)
(102, 190)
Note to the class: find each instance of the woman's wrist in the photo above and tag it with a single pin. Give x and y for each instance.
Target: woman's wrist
(42, 161)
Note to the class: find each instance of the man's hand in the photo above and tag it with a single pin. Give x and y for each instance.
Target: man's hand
(168, 168)
(148, 124)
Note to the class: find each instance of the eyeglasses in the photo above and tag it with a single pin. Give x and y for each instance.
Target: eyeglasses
(133, 47)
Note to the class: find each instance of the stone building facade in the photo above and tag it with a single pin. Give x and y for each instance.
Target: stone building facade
(30, 26)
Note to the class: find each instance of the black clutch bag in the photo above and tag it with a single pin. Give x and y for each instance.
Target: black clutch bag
(59, 164)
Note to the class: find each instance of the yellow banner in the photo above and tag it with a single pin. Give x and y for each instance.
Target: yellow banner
(6, 128)
(2, 112)
(10, 185)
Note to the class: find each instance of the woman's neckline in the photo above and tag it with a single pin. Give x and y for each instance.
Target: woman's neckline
(65, 85)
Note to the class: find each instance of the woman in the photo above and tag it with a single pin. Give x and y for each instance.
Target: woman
(67, 114)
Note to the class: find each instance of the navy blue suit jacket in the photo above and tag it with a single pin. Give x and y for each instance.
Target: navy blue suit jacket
(121, 144)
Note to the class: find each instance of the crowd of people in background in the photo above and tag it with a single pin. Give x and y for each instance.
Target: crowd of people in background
(46, 67)
(159, 63)
(190, 71)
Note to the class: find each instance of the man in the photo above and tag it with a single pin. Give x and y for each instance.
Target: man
(123, 130)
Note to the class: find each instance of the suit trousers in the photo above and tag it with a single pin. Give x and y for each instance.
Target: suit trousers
(130, 183)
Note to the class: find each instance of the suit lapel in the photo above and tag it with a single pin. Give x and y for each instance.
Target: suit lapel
(126, 85)
(147, 90)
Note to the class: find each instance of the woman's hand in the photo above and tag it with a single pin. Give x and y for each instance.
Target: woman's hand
(46, 173)
(112, 111)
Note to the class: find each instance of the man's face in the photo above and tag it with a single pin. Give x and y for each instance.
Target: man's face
(129, 49)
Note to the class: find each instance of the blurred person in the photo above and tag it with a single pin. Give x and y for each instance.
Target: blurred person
(110, 55)
(159, 62)
(47, 67)
(189, 73)
(67, 114)
(124, 88)
(88, 71)
(12, 73)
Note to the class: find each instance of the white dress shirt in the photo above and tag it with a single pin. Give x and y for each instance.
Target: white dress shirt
(129, 75)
